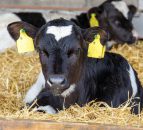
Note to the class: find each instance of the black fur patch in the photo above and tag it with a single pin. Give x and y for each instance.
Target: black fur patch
(35, 19)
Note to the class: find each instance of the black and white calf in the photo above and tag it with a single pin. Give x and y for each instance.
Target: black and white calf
(68, 76)
(115, 16)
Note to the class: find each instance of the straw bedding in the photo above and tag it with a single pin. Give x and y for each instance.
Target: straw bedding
(18, 72)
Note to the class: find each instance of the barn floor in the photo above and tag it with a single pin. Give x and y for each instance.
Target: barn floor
(18, 72)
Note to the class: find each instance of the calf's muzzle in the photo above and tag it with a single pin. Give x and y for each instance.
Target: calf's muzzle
(57, 80)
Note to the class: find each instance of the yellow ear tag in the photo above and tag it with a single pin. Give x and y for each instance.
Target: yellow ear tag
(93, 21)
(96, 49)
(24, 42)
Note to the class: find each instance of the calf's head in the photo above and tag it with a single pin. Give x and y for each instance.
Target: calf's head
(62, 48)
(116, 16)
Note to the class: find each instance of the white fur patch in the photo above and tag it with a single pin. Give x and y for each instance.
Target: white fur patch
(133, 81)
(135, 34)
(49, 83)
(35, 89)
(60, 32)
(110, 44)
(48, 109)
(122, 7)
(5, 39)
(68, 91)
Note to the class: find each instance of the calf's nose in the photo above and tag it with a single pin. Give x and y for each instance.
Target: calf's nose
(132, 37)
(57, 80)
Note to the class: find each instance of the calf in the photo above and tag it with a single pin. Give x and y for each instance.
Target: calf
(69, 75)
(115, 17)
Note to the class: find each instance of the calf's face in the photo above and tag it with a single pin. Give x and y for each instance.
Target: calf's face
(116, 17)
(62, 48)
(61, 55)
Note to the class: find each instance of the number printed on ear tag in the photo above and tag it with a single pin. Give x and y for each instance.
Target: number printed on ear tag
(24, 42)
(96, 49)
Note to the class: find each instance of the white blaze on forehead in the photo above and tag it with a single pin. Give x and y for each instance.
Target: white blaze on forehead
(122, 7)
(59, 31)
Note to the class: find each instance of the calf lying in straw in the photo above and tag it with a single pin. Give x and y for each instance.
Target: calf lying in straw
(76, 68)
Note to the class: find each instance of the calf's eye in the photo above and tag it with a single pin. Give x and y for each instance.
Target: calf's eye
(70, 53)
(73, 52)
(44, 53)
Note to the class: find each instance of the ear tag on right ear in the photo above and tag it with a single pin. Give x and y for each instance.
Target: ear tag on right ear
(96, 49)
(24, 42)
(93, 20)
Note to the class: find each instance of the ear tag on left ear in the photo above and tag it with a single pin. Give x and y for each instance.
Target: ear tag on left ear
(93, 20)
(24, 42)
(96, 49)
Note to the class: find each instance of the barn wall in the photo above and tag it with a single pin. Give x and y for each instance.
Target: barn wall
(60, 3)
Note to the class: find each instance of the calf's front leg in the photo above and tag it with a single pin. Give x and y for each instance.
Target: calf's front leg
(35, 89)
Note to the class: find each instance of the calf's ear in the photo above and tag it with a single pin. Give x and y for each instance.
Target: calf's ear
(15, 27)
(132, 11)
(90, 33)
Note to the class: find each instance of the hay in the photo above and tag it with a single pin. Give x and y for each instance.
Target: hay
(18, 72)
